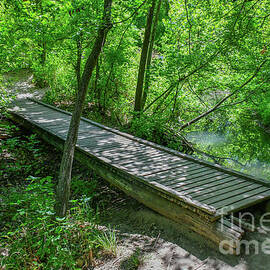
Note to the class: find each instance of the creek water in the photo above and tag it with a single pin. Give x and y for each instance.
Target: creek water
(245, 146)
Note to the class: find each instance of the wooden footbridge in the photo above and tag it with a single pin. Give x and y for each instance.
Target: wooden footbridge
(188, 190)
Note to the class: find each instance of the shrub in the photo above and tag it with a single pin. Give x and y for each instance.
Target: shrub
(34, 239)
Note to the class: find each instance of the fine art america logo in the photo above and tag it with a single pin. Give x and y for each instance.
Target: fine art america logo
(227, 247)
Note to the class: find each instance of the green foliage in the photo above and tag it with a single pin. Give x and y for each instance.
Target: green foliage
(24, 156)
(5, 97)
(156, 129)
(264, 109)
(108, 242)
(30, 236)
(133, 262)
(34, 239)
(58, 75)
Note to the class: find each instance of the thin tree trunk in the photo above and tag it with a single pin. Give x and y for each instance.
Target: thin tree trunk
(79, 60)
(44, 53)
(43, 44)
(63, 188)
(140, 80)
(97, 91)
(149, 55)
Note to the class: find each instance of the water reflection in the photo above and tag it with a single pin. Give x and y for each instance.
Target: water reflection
(246, 143)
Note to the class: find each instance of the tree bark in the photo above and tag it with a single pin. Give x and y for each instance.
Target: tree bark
(63, 188)
(149, 56)
(140, 80)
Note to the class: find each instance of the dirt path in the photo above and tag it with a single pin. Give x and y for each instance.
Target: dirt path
(20, 84)
(146, 239)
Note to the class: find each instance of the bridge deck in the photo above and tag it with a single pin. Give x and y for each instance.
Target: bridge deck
(209, 190)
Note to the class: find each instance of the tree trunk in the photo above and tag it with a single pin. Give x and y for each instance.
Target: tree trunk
(63, 188)
(97, 90)
(43, 53)
(79, 60)
(149, 55)
(140, 80)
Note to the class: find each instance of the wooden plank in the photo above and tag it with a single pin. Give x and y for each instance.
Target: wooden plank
(180, 166)
(179, 198)
(208, 182)
(171, 175)
(122, 157)
(149, 163)
(181, 182)
(218, 189)
(86, 139)
(192, 192)
(159, 159)
(56, 122)
(40, 112)
(34, 112)
(142, 158)
(98, 144)
(165, 149)
(132, 153)
(123, 147)
(19, 106)
(172, 180)
(150, 169)
(110, 137)
(191, 178)
(117, 157)
(187, 165)
(52, 123)
(88, 132)
(159, 155)
(238, 191)
(134, 149)
(241, 198)
(187, 185)
(105, 150)
(242, 204)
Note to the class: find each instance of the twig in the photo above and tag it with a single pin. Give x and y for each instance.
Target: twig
(200, 265)
(156, 240)
(134, 13)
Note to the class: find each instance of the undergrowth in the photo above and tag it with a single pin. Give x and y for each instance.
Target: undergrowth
(31, 237)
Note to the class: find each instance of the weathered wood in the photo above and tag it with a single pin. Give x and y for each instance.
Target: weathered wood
(148, 196)
(170, 180)
(187, 185)
(141, 158)
(166, 149)
(210, 180)
(243, 204)
(205, 211)
(195, 187)
(232, 200)
(219, 198)
(186, 178)
(217, 189)
(150, 168)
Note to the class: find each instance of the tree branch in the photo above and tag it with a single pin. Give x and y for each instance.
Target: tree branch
(224, 99)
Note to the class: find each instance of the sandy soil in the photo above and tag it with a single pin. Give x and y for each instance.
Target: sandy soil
(146, 239)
